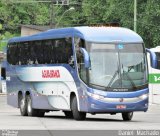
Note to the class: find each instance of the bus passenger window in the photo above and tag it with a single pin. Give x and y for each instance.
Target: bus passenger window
(158, 59)
(9, 54)
(14, 55)
(39, 52)
(23, 53)
(47, 51)
(32, 57)
(57, 51)
(53, 52)
(19, 54)
(69, 52)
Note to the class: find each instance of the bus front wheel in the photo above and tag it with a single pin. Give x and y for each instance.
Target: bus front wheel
(127, 116)
(77, 115)
(23, 106)
(68, 114)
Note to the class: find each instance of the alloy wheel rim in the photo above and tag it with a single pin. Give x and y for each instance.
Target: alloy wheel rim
(22, 104)
(29, 107)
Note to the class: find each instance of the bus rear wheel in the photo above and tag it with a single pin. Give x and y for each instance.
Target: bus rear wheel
(30, 110)
(40, 113)
(23, 106)
(127, 116)
(76, 114)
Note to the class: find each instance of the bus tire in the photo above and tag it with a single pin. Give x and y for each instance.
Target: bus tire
(23, 106)
(76, 114)
(127, 116)
(68, 114)
(30, 110)
(40, 113)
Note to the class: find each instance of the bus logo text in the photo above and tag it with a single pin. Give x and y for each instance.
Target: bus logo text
(50, 74)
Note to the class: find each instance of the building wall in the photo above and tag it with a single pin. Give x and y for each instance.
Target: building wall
(25, 31)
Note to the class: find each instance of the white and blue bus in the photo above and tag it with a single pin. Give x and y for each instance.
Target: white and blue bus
(78, 70)
(154, 86)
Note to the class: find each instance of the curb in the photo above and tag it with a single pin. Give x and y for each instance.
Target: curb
(154, 103)
(3, 94)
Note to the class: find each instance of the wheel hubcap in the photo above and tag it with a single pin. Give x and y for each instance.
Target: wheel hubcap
(29, 107)
(130, 114)
(22, 104)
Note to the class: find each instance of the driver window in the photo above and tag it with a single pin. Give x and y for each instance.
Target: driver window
(79, 43)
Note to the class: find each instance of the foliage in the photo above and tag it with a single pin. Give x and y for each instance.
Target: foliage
(4, 39)
(15, 14)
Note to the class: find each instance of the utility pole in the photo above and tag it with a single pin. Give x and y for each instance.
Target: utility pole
(52, 14)
(135, 15)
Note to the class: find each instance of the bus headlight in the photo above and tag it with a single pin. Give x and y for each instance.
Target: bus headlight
(143, 96)
(95, 96)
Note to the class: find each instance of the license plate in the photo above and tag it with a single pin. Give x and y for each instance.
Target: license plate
(121, 106)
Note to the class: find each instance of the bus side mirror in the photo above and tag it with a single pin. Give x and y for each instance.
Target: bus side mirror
(153, 58)
(86, 57)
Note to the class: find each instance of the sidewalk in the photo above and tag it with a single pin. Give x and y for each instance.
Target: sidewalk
(3, 94)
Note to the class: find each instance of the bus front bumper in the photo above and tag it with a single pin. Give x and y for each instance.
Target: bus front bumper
(117, 105)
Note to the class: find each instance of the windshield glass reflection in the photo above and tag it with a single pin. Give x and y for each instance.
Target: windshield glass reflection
(117, 65)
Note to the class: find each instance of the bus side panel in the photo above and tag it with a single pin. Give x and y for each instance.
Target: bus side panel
(154, 88)
(55, 82)
(40, 101)
(15, 85)
(12, 86)
(83, 103)
(12, 99)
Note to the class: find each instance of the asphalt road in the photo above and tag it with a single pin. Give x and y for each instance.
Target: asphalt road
(10, 118)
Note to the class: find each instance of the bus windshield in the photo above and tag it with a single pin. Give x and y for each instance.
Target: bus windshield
(117, 65)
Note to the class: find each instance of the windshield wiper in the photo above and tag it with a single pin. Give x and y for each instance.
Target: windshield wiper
(125, 73)
(114, 76)
(133, 84)
(129, 78)
(100, 86)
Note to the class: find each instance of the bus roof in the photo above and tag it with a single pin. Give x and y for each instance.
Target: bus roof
(156, 49)
(92, 34)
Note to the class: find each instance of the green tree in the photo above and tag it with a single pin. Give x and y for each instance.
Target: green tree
(15, 14)
(148, 23)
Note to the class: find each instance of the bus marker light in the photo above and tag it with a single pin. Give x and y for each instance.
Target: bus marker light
(82, 96)
(95, 96)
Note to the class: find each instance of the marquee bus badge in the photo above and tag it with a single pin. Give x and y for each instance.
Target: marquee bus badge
(50, 74)
(121, 100)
